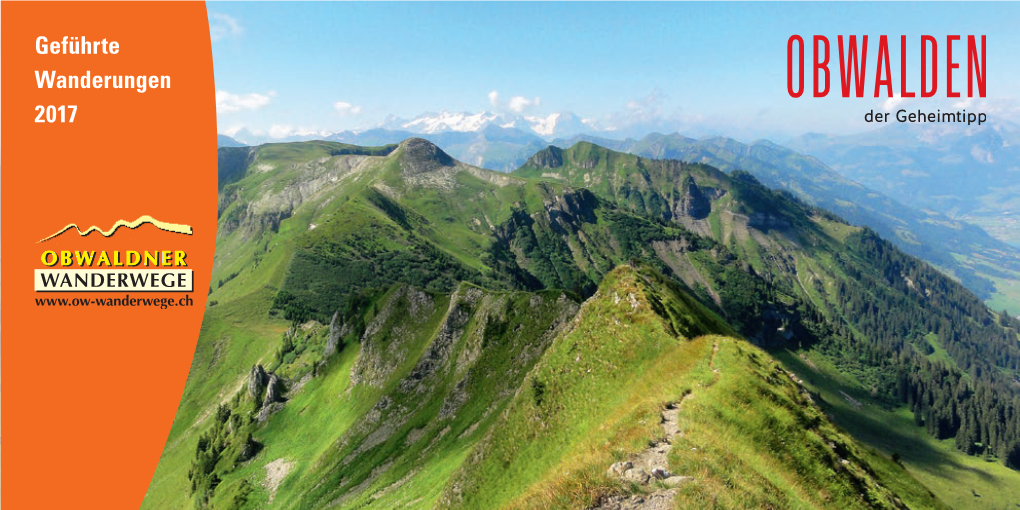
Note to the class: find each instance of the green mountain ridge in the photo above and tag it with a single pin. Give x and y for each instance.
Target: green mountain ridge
(959, 246)
(987, 266)
(421, 319)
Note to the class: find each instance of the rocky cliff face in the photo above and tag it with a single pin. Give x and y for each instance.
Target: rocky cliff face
(693, 202)
(274, 390)
(336, 331)
(550, 157)
(260, 381)
(566, 211)
(276, 199)
(378, 358)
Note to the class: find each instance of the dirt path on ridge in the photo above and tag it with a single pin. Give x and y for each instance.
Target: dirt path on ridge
(650, 467)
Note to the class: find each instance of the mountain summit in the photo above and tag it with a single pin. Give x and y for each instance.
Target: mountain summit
(418, 156)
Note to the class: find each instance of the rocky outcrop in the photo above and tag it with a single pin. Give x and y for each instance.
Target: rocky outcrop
(693, 203)
(568, 211)
(383, 348)
(438, 353)
(659, 500)
(334, 335)
(257, 379)
(767, 221)
(274, 391)
(268, 411)
(422, 156)
(549, 158)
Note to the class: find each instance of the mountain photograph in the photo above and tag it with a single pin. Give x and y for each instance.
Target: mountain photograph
(676, 299)
(389, 323)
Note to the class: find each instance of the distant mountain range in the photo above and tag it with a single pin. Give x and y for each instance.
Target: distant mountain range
(970, 173)
(560, 124)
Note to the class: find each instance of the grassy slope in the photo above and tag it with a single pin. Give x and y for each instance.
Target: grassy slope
(824, 238)
(1007, 284)
(254, 263)
(233, 337)
(323, 429)
(439, 402)
(327, 403)
(959, 480)
(749, 435)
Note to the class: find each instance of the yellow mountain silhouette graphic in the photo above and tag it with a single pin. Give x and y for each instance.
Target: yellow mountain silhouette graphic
(169, 227)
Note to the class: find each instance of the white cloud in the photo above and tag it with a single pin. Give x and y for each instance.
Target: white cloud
(1005, 107)
(233, 130)
(893, 102)
(222, 26)
(345, 108)
(997, 108)
(653, 113)
(967, 102)
(227, 102)
(906, 172)
(648, 109)
(516, 104)
(287, 130)
(281, 130)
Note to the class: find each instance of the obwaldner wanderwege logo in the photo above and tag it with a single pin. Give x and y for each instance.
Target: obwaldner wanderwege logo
(116, 270)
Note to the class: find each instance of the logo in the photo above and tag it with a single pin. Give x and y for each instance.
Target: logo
(142, 220)
(116, 270)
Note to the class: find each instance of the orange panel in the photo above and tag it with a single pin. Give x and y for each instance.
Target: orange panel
(90, 392)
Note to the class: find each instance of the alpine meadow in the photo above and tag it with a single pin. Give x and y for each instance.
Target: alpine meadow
(390, 327)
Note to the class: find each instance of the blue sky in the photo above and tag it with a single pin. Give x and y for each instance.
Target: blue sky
(710, 68)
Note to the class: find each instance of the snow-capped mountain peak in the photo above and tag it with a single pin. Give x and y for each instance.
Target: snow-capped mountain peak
(446, 121)
(544, 126)
(549, 126)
